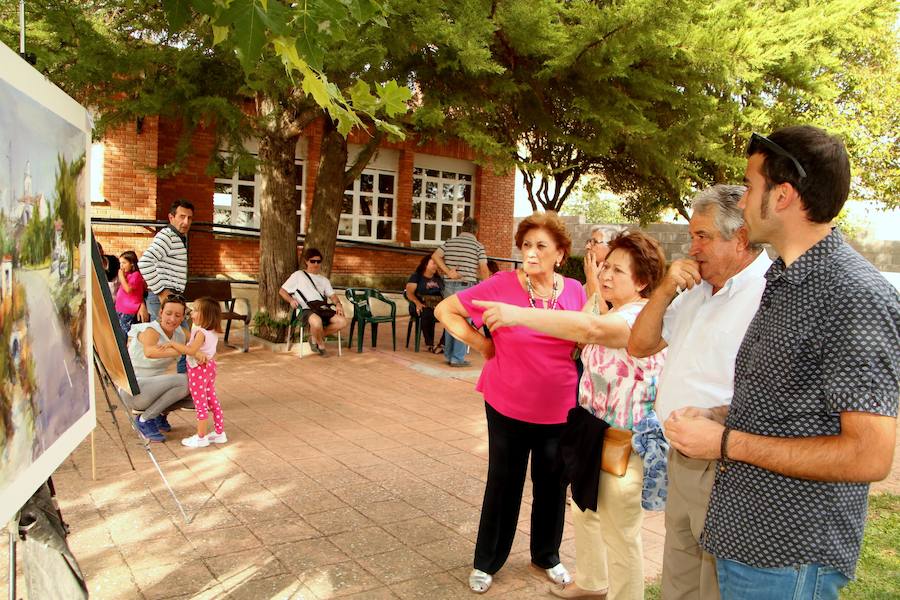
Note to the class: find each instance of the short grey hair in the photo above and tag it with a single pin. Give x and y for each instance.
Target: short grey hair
(599, 228)
(723, 200)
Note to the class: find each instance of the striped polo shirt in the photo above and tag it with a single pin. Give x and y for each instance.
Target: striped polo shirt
(164, 264)
(464, 253)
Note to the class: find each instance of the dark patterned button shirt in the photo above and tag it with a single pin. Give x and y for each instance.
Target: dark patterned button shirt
(824, 341)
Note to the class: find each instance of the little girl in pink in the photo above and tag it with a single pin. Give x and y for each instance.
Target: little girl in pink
(130, 295)
(205, 317)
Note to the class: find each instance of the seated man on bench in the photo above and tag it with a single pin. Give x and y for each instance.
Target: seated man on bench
(304, 286)
(161, 388)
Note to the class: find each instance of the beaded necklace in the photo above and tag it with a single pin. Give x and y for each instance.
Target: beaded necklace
(548, 305)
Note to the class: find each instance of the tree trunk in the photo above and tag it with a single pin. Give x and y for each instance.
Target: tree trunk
(277, 229)
(328, 197)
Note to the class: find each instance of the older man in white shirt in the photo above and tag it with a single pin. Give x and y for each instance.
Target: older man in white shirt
(722, 281)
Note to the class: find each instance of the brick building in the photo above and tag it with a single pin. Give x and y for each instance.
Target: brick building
(410, 195)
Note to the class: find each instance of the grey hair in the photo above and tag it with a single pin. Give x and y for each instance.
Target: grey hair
(723, 199)
(597, 228)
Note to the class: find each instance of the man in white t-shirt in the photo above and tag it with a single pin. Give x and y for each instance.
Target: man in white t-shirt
(304, 286)
(723, 281)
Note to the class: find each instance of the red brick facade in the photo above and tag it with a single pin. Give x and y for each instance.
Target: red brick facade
(132, 190)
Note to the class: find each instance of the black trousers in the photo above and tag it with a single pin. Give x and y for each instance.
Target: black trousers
(427, 321)
(510, 444)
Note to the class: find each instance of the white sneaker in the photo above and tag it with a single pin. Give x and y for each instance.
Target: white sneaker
(216, 438)
(559, 574)
(195, 441)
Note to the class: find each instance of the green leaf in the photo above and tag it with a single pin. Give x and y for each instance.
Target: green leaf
(220, 34)
(393, 98)
(362, 97)
(249, 21)
(178, 12)
(206, 7)
(363, 10)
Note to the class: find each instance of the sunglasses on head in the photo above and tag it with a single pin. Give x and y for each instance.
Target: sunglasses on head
(761, 140)
(315, 261)
(176, 298)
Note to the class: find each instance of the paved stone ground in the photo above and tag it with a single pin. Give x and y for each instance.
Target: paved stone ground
(358, 476)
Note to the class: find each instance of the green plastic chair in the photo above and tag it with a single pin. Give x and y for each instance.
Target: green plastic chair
(361, 299)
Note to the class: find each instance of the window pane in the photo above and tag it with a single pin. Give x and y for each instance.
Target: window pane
(446, 232)
(417, 187)
(460, 214)
(385, 184)
(465, 177)
(347, 205)
(219, 170)
(468, 210)
(365, 205)
(446, 212)
(245, 196)
(416, 228)
(431, 190)
(246, 172)
(346, 226)
(467, 193)
(429, 232)
(222, 195)
(298, 174)
(417, 209)
(245, 218)
(386, 207)
(384, 230)
(417, 170)
(365, 228)
(221, 217)
(299, 222)
(447, 192)
(432, 172)
(366, 182)
(430, 211)
(448, 175)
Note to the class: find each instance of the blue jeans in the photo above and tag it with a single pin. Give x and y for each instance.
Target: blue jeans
(805, 582)
(126, 321)
(153, 307)
(454, 350)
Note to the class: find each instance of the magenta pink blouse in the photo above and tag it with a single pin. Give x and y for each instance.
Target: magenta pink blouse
(532, 376)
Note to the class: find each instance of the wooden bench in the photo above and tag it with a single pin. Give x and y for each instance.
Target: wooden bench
(220, 289)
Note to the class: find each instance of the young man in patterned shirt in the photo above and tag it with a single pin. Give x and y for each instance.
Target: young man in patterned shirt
(817, 380)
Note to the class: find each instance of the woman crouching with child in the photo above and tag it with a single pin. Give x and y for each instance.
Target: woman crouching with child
(206, 316)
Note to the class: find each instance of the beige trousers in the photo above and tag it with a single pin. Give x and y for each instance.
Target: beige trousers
(689, 573)
(608, 551)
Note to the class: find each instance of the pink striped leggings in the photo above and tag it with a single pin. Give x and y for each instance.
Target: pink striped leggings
(202, 384)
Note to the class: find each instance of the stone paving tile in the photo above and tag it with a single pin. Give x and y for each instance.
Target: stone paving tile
(338, 579)
(399, 565)
(336, 521)
(167, 581)
(389, 511)
(365, 541)
(257, 562)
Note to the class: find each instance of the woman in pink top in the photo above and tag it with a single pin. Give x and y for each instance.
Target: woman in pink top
(130, 296)
(618, 389)
(528, 383)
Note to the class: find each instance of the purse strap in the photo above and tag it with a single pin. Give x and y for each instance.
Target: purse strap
(313, 283)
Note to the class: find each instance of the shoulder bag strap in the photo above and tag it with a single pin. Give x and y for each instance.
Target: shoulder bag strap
(314, 287)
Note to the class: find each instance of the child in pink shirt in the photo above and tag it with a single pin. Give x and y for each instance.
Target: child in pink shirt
(205, 316)
(131, 290)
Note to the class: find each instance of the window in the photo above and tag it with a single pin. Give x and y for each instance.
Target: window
(236, 198)
(369, 207)
(440, 202)
(98, 150)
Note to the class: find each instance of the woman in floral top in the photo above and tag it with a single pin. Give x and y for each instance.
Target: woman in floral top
(620, 390)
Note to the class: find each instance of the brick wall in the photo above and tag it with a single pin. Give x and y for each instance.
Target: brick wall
(134, 191)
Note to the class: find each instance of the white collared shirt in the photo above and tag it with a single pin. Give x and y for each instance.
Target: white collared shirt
(704, 332)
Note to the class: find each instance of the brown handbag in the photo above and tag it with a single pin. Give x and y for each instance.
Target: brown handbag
(616, 451)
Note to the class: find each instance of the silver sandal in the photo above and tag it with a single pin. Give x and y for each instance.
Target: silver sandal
(479, 581)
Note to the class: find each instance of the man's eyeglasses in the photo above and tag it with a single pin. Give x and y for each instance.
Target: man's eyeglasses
(315, 261)
(757, 140)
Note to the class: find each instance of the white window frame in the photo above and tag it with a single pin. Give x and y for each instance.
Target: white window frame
(234, 181)
(355, 216)
(435, 172)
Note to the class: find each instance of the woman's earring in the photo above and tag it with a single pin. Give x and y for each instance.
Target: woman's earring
(557, 264)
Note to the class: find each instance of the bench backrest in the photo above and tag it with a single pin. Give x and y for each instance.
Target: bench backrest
(218, 289)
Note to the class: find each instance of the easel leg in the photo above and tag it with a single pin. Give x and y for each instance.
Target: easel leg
(13, 533)
(93, 459)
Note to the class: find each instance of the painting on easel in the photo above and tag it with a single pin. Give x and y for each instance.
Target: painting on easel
(46, 408)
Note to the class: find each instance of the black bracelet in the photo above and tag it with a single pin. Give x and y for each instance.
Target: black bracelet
(723, 448)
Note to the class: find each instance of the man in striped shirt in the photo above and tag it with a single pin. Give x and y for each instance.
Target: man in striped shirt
(463, 260)
(164, 264)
